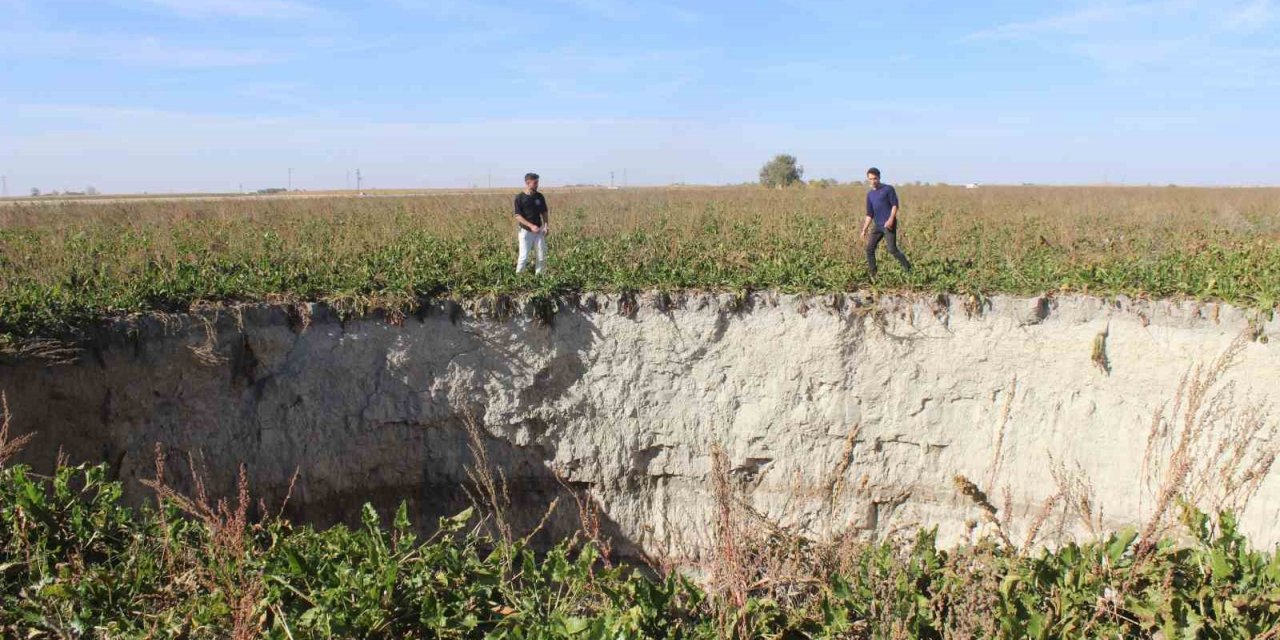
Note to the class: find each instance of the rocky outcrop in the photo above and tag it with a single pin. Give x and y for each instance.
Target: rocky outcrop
(833, 413)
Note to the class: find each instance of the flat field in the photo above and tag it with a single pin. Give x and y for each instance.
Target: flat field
(68, 264)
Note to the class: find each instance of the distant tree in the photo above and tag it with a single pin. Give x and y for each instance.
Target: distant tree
(823, 183)
(35, 192)
(781, 171)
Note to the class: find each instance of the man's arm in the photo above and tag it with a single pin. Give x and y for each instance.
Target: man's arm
(546, 216)
(893, 211)
(866, 221)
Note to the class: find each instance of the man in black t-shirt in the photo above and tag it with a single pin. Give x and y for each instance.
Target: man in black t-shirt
(531, 216)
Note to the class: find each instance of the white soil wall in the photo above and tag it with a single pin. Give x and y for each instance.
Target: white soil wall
(834, 412)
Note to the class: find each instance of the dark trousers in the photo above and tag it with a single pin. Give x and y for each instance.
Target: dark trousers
(874, 241)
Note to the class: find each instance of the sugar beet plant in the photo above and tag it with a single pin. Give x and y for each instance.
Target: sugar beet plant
(74, 563)
(64, 267)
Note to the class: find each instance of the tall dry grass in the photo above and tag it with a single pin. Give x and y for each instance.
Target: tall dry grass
(10, 445)
(230, 529)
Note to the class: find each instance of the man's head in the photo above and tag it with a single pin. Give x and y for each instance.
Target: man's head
(873, 177)
(531, 181)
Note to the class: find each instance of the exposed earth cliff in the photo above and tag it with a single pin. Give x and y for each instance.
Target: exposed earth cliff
(832, 412)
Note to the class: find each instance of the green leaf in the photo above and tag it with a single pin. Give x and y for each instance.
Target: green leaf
(574, 626)
(1119, 544)
(1221, 565)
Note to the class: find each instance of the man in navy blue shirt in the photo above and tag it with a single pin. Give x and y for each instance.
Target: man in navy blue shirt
(882, 212)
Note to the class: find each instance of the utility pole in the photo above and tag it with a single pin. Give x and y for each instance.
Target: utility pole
(610, 179)
(490, 178)
(290, 187)
(4, 186)
(358, 180)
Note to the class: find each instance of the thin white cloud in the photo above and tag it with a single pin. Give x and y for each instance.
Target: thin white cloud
(284, 10)
(1190, 38)
(138, 50)
(468, 24)
(112, 116)
(508, 12)
(280, 94)
(578, 62)
(1205, 63)
(473, 23)
(1250, 17)
(1132, 55)
(607, 8)
(620, 10)
(826, 9)
(18, 13)
(1079, 21)
(594, 74)
(457, 10)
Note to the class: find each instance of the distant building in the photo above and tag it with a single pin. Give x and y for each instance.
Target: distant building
(971, 185)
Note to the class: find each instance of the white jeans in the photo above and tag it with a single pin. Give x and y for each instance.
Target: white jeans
(537, 242)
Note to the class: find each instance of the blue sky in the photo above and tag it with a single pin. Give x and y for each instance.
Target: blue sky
(180, 95)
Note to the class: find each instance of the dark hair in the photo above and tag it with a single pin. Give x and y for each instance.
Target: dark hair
(530, 176)
(873, 172)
